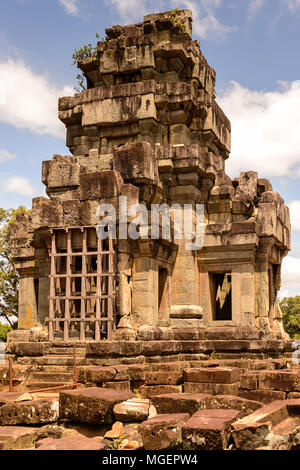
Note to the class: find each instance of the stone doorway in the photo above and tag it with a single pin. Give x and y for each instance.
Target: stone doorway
(82, 285)
(221, 287)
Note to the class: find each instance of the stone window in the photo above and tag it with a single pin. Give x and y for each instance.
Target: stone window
(82, 285)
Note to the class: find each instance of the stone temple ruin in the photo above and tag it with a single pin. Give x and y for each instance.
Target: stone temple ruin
(193, 331)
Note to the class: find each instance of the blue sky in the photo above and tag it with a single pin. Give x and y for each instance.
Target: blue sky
(252, 44)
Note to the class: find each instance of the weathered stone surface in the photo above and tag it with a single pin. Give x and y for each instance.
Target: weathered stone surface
(148, 391)
(178, 402)
(280, 380)
(116, 431)
(135, 409)
(163, 378)
(266, 427)
(229, 402)
(220, 375)
(208, 429)
(29, 412)
(90, 405)
(72, 443)
(18, 437)
(211, 388)
(263, 396)
(163, 431)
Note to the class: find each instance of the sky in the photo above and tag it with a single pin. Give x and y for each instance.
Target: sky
(252, 44)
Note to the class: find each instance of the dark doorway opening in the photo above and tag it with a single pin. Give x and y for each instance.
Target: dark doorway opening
(221, 296)
(162, 293)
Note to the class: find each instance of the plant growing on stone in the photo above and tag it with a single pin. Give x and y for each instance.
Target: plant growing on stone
(9, 279)
(176, 20)
(84, 52)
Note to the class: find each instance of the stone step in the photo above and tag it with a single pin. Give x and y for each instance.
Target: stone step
(42, 385)
(66, 351)
(54, 360)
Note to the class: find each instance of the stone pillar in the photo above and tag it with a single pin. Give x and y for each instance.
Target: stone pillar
(144, 292)
(185, 299)
(28, 317)
(262, 287)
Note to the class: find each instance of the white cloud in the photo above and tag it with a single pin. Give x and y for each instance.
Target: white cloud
(294, 207)
(131, 11)
(29, 100)
(205, 23)
(265, 129)
(70, 6)
(292, 4)
(18, 185)
(290, 276)
(5, 155)
(253, 7)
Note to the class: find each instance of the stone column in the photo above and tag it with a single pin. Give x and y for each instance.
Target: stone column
(185, 301)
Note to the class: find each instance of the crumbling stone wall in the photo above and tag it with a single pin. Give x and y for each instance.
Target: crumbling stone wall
(148, 127)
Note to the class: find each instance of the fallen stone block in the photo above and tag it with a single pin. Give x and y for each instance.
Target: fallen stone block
(263, 396)
(72, 443)
(148, 391)
(90, 405)
(220, 375)
(229, 402)
(123, 385)
(19, 437)
(135, 409)
(208, 429)
(280, 380)
(274, 426)
(163, 431)
(211, 388)
(178, 402)
(163, 378)
(29, 412)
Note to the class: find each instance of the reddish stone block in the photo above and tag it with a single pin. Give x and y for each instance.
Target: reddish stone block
(72, 443)
(263, 396)
(208, 429)
(163, 431)
(211, 388)
(178, 402)
(224, 375)
(280, 380)
(149, 391)
(163, 378)
(249, 381)
(123, 385)
(90, 405)
(230, 402)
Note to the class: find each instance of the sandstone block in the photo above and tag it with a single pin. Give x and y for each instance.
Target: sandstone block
(220, 375)
(178, 402)
(29, 412)
(72, 443)
(135, 409)
(163, 431)
(90, 405)
(211, 388)
(263, 396)
(163, 378)
(148, 391)
(208, 429)
(279, 380)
